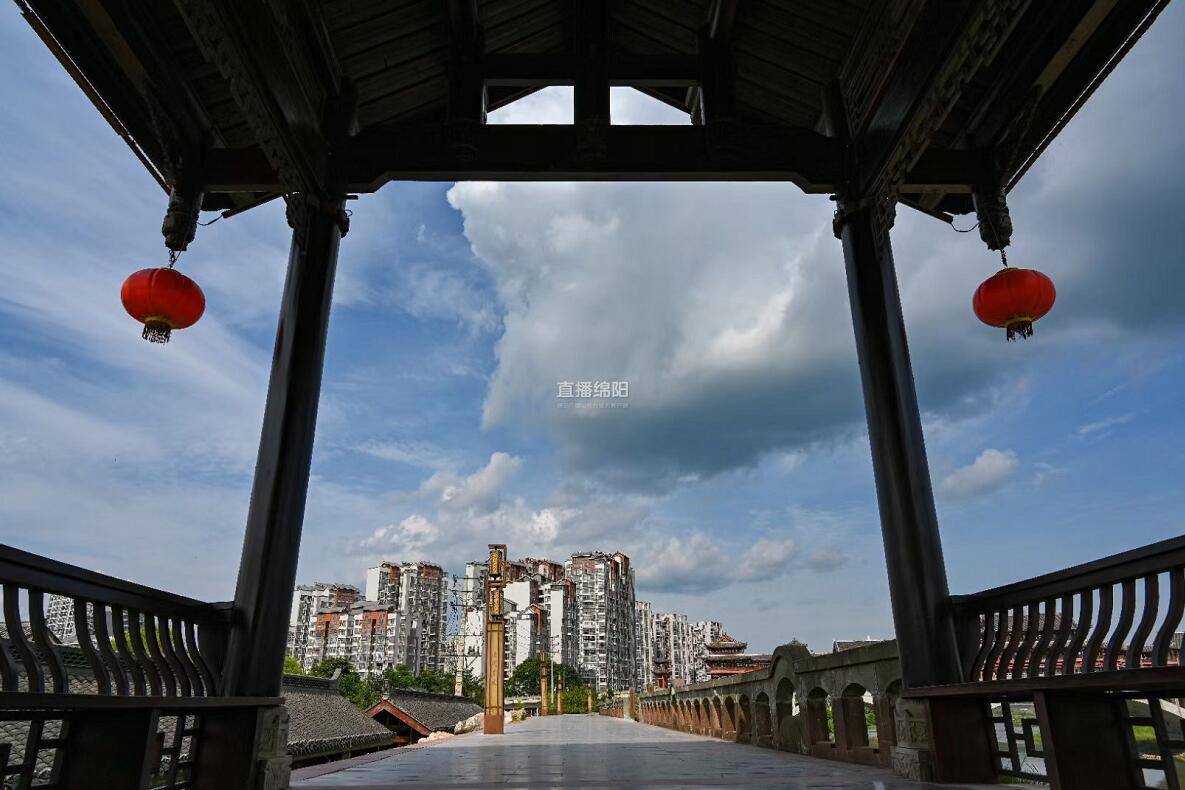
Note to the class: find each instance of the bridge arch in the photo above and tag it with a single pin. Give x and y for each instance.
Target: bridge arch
(763, 730)
(744, 720)
(851, 720)
(717, 728)
(787, 722)
(728, 719)
(818, 720)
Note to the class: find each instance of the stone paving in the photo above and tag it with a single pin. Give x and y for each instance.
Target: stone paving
(594, 751)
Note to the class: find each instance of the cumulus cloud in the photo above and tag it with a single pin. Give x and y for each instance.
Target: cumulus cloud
(767, 558)
(479, 491)
(990, 471)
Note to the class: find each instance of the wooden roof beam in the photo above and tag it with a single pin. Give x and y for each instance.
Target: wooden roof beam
(715, 97)
(467, 99)
(923, 88)
(280, 82)
(590, 37)
(550, 153)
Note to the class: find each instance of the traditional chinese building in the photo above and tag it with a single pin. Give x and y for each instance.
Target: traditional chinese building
(727, 656)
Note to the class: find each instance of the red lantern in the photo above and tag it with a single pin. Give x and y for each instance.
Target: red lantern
(1013, 299)
(163, 300)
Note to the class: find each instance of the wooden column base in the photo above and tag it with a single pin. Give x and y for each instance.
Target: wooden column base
(493, 724)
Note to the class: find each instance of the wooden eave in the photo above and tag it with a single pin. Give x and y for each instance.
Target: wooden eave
(940, 94)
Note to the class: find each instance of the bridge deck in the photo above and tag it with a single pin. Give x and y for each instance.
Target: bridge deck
(594, 751)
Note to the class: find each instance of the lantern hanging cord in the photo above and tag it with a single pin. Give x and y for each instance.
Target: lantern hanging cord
(963, 230)
(174, 255)
(211, 222)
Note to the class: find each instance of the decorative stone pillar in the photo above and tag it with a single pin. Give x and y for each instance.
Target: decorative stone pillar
(912, 756)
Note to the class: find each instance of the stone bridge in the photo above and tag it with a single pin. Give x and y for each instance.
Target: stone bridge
(840, 706)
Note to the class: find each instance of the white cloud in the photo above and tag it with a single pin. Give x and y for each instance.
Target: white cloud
(415, 453)
(990, 471)
(478, 491)
(767, 558)
(1103, 425)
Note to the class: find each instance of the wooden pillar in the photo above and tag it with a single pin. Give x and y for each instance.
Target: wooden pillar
(909, 524)
(495, 631)
(544, 689)
(267, 570)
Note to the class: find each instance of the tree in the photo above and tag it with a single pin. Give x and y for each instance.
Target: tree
(363, 693)
(575, 700)
(292, 666)
(524, 681)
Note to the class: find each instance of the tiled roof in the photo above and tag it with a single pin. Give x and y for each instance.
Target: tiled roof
(321, 721)
(434, 711)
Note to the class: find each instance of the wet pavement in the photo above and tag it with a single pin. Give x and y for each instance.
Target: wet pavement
(594, 751)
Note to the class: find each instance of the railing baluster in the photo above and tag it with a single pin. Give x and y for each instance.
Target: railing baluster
(139, 646)
(16, 636)
(1085, 614)
(1061, 634)
(1048, 623)
(166, 648)
(158, 660)
(45, 643)
(103, 640)
(1127, 615)
(82, 630)
(1005, 668)
(1020, 667)
(1172, 618)
(8, 672)
(1002, 633)
(191, 672)
(1135, 650)
(1102, 626)
(120, 631)
(203, 666)
(985, 647)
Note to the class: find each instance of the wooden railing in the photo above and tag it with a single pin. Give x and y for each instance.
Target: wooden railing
(1075, 675)
(1119, 613)
(137, 641)
(137, 702)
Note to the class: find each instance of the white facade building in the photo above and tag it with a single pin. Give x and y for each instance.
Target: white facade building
(365, 633)
(644, 624)
(605, 603)
(59, 618)
(307, 600)
(382, 583)
(423, 595)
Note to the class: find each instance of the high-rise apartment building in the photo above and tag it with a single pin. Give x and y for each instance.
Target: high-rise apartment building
(563, 620)
(423, 599)
(59, 618)
(644, 655)
(605, 605)
(703, 633)
(365, 633)
(382, 583)
(307, 600)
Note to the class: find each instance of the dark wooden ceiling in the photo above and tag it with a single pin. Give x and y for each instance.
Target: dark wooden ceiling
(993, 78)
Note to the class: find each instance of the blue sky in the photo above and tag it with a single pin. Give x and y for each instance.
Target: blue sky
(738, 478)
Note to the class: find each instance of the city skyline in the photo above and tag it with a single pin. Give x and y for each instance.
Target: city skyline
(582, 612)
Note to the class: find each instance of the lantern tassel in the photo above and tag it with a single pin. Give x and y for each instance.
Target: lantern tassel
(1021, 329)
(155, 332)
